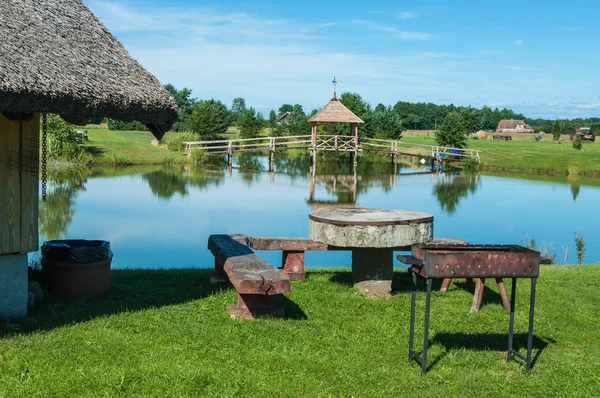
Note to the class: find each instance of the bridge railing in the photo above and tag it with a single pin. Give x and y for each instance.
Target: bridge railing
(249, 144)
(330, 143)
(407, 148)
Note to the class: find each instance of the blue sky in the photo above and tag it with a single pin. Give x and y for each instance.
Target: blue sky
(539, 58)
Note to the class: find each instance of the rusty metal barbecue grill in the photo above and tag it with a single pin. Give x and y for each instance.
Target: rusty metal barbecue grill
(432, 261)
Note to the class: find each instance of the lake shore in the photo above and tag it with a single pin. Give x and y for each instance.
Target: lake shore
(521, 155)
(168, 333)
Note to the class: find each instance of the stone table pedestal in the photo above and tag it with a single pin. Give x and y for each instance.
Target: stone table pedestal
(372, 235)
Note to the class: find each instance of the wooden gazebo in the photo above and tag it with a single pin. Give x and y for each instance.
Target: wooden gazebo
(335, 112)
(56, 57)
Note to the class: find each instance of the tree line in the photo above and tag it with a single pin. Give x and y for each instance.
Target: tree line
(211, 118)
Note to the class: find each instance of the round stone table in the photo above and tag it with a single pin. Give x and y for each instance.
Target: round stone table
(372, 235)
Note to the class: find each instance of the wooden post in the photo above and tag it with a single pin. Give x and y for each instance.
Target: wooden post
(271, 153)
(354, 128)
(230, 153)
(313, 145)
(19, 178)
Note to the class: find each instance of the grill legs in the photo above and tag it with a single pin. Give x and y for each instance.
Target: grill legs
(511, 351)
(412, 354)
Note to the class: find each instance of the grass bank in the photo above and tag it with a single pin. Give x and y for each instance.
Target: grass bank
(524, 154)
(167, 333)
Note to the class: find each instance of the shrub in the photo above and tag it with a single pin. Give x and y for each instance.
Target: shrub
(169, 160)
(470, 164)
(62, 140)
(125, 126)
(580, 247)
(577, 143)
(175, 141)
(574, 168)
(199, 156)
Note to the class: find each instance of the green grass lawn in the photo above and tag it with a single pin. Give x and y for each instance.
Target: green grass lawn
(134, 146)
(167, 333)
(526, 154)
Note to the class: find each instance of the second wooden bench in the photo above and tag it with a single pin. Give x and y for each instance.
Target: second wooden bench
(255, 280)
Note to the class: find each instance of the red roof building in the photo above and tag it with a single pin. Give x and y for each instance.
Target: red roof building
(513, 126)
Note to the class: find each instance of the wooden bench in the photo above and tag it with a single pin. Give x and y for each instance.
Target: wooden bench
(292, 263)
(255, 280)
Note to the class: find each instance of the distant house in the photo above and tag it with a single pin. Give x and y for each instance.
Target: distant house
(513, 126)
(283, 118)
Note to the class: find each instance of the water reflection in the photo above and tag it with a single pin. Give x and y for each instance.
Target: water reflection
(56, 213)
(451, 188)
(170, 181)
(575, 183)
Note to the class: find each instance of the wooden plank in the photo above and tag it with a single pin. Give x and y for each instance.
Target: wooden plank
(234, 243)
(250, 274)
(247, 272)
(10, 187)
(290, 244)
(30, 151)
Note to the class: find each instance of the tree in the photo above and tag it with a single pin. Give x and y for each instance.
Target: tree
(470, 120)
(556, 130)
(360, 108)
(251, 124)
(285, 108)
(209, 119)
(238, 107)
(297, 111)
(272, 116)
(386, 123)
(185, 105)
(452, 132)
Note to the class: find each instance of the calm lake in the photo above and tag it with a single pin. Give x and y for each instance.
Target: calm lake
(161, 217)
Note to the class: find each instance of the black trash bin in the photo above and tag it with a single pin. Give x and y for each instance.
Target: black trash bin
(77, 268)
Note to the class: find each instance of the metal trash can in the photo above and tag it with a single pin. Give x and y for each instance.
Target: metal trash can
(77, 268)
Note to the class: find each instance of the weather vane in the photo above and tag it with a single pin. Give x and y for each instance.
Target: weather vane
(335, 82)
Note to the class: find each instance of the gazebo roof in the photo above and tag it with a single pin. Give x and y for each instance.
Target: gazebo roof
(335, 112)
(57, 57)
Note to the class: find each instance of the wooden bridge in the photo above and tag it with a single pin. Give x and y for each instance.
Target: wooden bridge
(338, 143)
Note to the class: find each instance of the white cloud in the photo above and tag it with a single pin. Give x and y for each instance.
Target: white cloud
(407, 14)
(518, 42)
(269, 62)
(397, 33)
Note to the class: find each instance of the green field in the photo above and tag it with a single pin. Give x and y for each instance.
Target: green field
(167, 334)
(525, 154)
(521, 154)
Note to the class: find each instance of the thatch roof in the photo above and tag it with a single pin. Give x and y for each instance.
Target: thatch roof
(335, 112)
(57, 57)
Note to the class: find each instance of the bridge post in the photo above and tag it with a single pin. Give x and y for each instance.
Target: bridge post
(355, 131)
(271, 153)
(229, 153)
(313, 145)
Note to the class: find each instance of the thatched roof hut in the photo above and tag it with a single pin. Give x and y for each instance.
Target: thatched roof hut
(57, 57)
(335, 112)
